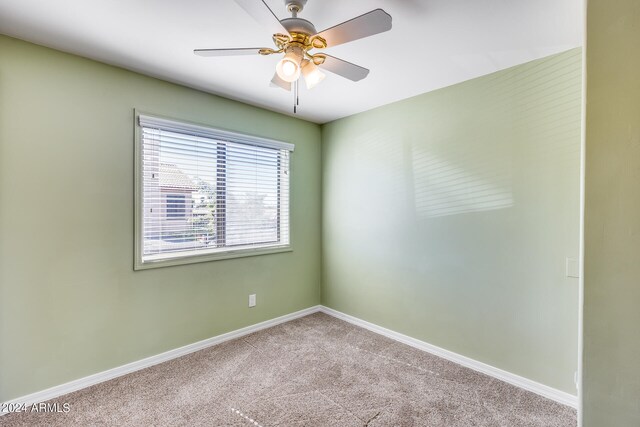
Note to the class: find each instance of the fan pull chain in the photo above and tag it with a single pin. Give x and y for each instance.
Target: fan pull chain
(296, 100)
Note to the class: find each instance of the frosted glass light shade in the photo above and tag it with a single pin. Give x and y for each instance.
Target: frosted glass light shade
(276, 81)
(288, 68)
(312, 74)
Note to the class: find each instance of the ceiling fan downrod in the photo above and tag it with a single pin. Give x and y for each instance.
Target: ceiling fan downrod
(295, 6)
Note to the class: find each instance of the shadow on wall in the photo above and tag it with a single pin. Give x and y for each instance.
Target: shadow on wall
(524, 119)
(434, 178)
(462, 180)
(510, 141)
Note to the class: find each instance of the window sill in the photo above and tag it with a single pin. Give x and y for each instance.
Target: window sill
(215, 256)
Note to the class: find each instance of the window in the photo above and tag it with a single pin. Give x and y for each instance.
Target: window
(175, 206)
(204, 194)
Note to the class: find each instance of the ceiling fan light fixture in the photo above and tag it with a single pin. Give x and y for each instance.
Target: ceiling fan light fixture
(288, 68)
(312, 74)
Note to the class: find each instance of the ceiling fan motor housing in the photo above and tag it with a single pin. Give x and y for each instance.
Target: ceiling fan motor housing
(298, 25)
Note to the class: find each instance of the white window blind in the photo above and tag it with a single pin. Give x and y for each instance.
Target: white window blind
(206, 192)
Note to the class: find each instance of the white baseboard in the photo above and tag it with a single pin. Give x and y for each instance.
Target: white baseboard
(524, 383)
(85, 382)
(527, 384)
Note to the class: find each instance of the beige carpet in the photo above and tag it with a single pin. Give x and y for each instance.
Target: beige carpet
(314, 371)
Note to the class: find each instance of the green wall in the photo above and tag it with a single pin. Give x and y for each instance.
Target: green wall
(611, 355)
(449, 217)
(70, 303)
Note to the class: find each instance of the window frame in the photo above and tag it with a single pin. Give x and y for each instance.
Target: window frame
(177, 124)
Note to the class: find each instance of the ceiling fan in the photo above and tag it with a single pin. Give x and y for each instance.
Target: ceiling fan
(296, 37)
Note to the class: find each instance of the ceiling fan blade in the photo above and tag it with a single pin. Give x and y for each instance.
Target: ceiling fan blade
(276, 81)
(374, 22)
(228, 52)
(259, 11)
(343, 68)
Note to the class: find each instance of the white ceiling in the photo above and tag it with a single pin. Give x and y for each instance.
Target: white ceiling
(433, 43)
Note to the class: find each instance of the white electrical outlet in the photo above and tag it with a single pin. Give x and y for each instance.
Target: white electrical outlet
(252, 300)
